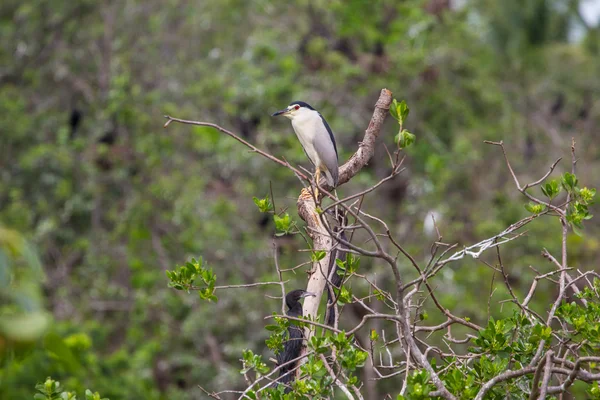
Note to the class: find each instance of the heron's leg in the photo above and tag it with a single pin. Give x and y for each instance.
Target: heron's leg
(317, 177)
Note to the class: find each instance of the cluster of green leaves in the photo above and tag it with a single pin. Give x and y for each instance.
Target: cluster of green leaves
(399, 111)
(584, 319)
(317, 384)
(577, 211)
(349, 356)
(594, 391)
(514, 337)
(52, 390)
(264, 205)
(418, 387)
(317, 381)
(254, 362)
(348, 266)
(283, 223)
(580, 199)
(279, 333)
(345, 269)
(190, 275)
(511, 343)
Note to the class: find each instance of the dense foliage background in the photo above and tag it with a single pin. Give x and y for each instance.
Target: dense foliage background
(91, 217)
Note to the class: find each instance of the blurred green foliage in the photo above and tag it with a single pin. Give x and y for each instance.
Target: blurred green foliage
(114, 203)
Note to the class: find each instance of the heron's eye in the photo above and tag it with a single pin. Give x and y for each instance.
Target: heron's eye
(297, 107)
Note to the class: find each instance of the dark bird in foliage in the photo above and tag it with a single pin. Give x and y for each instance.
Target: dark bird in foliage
(293, 346)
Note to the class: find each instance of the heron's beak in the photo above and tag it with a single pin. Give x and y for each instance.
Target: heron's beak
(279, 112)
(306, 294)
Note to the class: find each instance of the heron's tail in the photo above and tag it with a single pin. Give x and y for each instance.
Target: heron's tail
(332, 177)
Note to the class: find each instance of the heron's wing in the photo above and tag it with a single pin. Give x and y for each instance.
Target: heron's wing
(325, 147)
(330, 134)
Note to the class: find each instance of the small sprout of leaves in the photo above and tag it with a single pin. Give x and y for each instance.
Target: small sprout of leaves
(93, 396)
(283, 224)
(399, 111)
(586, 195)
(418, 386)
(551, 189)
(594, 391)
(51, 390)
(535, 208)
(374, 335)
(264, 205)
(186, 277)
(254, 362)
(317, 255)
(275, 342)
(352, 380)
(379, 295)
(320, 344)
(404, 139)
(576, 214)
(577, 211)
(352, 263)
(349, 266)
(345, 296)
(569, 182)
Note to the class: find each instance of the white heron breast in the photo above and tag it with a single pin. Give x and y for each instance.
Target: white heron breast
(305, 131)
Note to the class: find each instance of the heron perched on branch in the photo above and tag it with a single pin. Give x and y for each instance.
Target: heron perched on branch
(293, 346)
(316, 139)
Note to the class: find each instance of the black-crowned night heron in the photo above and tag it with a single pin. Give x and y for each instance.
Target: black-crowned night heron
(316, 139)
(293, 346)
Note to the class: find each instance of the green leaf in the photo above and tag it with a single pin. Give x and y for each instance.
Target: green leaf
(394, 110)
(273, 328)
(403, 111)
